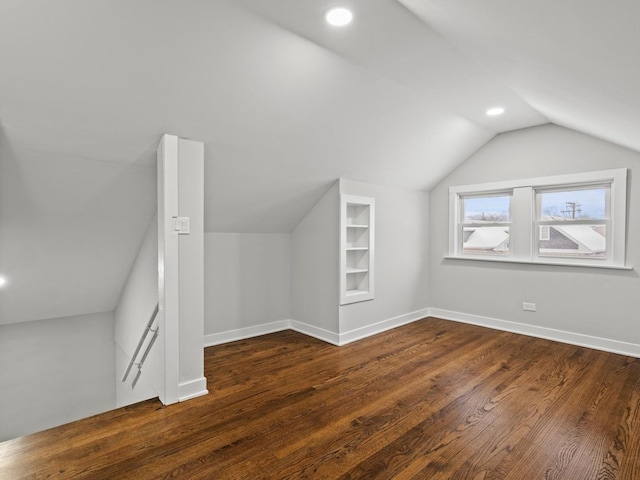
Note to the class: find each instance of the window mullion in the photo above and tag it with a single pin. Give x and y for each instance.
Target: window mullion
(521, 225)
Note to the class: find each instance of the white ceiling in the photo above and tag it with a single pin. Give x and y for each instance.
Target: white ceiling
(574, 61)
(284, 103)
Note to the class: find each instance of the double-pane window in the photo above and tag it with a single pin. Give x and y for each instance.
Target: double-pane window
(577, 219)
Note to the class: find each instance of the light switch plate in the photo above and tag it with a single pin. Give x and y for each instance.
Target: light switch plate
(181, 225)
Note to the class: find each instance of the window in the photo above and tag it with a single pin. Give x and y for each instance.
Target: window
(484, 226)
(575, 219)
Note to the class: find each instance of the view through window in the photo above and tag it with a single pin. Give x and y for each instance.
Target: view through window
(485, 225)
(573, 222)
(574, 219)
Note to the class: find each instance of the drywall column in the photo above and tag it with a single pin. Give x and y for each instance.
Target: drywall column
(180, 267)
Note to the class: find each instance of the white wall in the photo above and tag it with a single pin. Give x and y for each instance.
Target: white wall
(137, 302)
(191, 248)
(256, 283)
(586, 301)
(315, 265)
(401, 256)
(247, 281)
(55, 371)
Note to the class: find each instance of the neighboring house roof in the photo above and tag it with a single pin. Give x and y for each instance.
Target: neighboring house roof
(585, 236)
(487, 238)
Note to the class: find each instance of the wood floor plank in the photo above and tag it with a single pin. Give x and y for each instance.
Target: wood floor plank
(457, 424)
(432, 399)
(557, 427)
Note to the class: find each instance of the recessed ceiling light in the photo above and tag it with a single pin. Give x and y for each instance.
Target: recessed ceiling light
(492, 112)
(3, 281)
(339, 17)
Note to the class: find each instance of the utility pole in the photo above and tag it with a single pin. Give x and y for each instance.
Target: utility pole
(572, 208)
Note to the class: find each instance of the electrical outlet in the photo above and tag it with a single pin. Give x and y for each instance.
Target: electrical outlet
(528, 307)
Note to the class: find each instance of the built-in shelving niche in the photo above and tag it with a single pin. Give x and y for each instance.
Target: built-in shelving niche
(357, 252)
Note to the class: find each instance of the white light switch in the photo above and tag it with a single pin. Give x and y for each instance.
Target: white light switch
(181, 225)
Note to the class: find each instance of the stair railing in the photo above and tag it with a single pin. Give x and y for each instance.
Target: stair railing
(139, 364)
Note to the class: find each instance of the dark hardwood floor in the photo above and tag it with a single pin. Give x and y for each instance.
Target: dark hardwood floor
(430, 400)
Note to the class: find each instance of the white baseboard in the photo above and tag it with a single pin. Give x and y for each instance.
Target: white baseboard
(247, 332)
(379, 327)
(315, 332)
(597, 343)
(192, 389)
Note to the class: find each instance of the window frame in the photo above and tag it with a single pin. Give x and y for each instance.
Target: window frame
(524, 223)
(462, 224)
(538, 223)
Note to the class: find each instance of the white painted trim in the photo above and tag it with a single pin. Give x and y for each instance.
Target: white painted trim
(168, 269)
(523, 223)
(247, 332)
(618, 175)
(383, 326)
(370, 202)
(598, 343)
(536, 262)
(192, 389)
(315, 332)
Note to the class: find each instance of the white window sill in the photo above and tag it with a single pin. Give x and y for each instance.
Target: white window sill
(537, 262)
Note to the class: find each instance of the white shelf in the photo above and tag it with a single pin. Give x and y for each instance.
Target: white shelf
(356, 248)
(351, 293)
(357, 270)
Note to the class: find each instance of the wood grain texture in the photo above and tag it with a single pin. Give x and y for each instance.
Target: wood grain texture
(430, 400)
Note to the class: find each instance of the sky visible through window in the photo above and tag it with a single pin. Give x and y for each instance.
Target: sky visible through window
(585, 204)
(579, 204)
(490, 209)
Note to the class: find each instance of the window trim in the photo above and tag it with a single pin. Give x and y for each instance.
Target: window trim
(462, 224)
(523, 217)
(550, 223)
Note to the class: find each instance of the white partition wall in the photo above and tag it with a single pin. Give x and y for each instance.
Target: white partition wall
(180, 266)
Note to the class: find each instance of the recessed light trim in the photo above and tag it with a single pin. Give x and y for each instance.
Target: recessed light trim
(338, 17)
(495, 111)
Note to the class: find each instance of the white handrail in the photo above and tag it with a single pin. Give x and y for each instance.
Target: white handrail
(140, 343)
(144, 356)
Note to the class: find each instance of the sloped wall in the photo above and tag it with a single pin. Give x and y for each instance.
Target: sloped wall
(315, 266)
(137, 302)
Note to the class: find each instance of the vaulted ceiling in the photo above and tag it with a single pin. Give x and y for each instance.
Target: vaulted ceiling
(284, 103)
